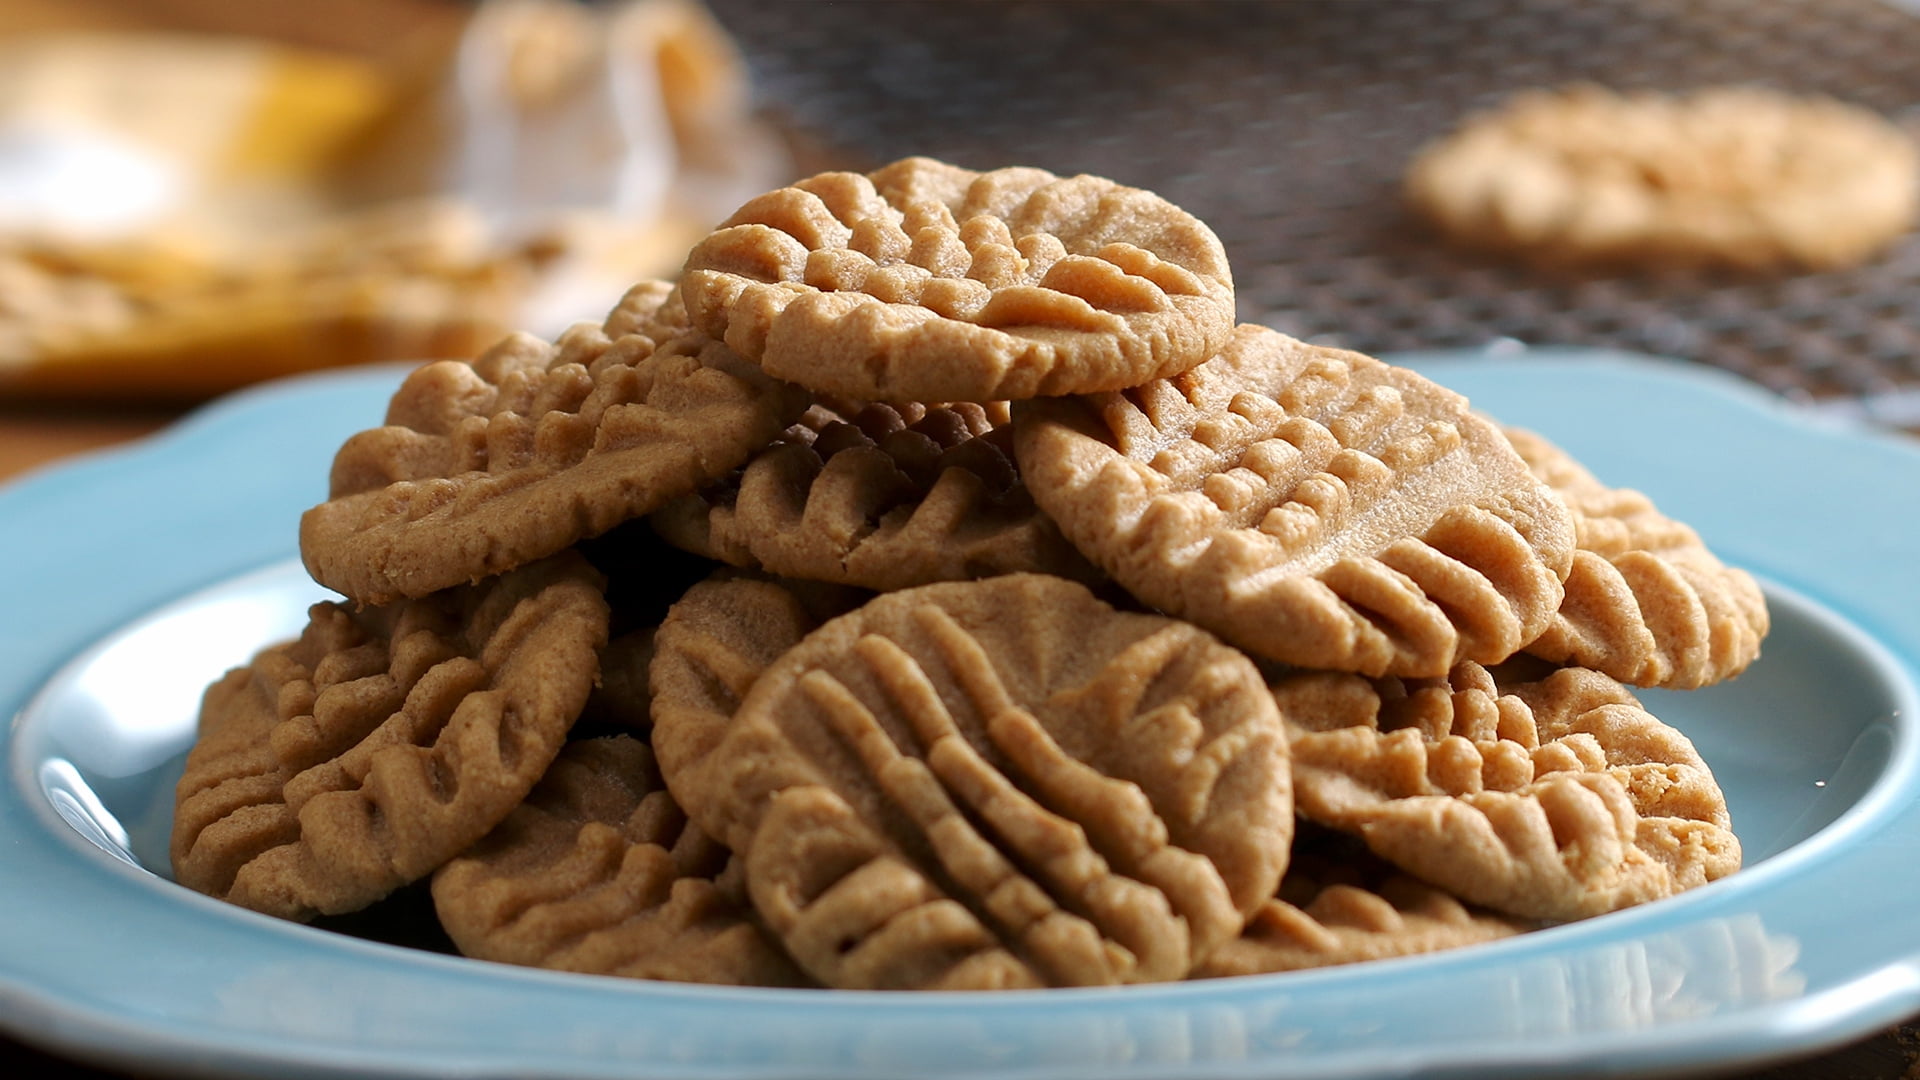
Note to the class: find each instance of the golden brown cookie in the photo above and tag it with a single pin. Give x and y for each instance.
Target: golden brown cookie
(1646, 601)
(1557, 798)
(600, 872)
(881, 497)
(709, 650)
(1339, 906)
(928, 282)
(384, 741)
(530, 448)
(1310, 505)
(1737, 176)
(650, 308)
(1001, 783)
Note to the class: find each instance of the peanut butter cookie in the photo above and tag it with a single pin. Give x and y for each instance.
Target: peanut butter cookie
(1340, 906)
(530, 448)
(1646, 601)
(1556, 798)
(600, 872)
(928, 282)
(1002, 783)
(1310, 505)
(712, 646)
(881, 497)
(338, 767)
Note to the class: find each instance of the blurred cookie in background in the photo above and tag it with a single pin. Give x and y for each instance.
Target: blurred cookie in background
(1731, 176)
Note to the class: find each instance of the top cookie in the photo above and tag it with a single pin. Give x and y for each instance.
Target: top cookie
(1310, 505)
(928, 282)
(530, 448)
(1730, 175)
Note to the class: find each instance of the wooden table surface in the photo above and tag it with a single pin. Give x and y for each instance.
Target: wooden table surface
(31, 437)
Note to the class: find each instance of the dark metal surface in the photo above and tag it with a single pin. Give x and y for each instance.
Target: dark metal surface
(1286, 126)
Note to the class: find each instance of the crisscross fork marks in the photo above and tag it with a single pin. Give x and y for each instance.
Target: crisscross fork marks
(881, 499)
(599, 871)
(1314, 507)
(1646, 601)
(904, 240)
(399, 769)
(1148, 779)
(712, 646)
(574, 439)
(1339, 905)
(1064, 945)
(925, 282)
(1554, 799)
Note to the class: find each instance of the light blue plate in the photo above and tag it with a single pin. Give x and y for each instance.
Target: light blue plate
(131, 579)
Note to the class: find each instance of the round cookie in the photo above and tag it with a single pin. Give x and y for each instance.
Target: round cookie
(928, 282)
(1312, 506)
(881, 497)
(600, 872)
(709, 650)
(1553, 798)
(1646, 602)
(1001, 783)
(1735, 176)
(1339, 906)
(485, 465)
(340, 766)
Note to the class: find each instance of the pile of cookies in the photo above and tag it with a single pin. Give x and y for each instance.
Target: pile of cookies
(934, 588)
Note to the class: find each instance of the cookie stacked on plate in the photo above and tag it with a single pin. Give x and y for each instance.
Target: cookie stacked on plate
(935, 588)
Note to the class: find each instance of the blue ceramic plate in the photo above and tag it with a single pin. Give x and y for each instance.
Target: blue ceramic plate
(131, 579)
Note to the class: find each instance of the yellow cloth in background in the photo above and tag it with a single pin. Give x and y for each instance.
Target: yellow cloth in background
(215, 211)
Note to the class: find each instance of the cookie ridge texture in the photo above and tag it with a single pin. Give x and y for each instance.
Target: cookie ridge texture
(1557, 798)
(1646, 601)
(486, 464)
(924, 281)
(707, 653)
(599, 872)
(1310, 505)
(882, 497)
(1003, 783)
(1332, 911)
(336, 768)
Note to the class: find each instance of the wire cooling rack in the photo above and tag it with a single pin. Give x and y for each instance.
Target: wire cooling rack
(1287, 126)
